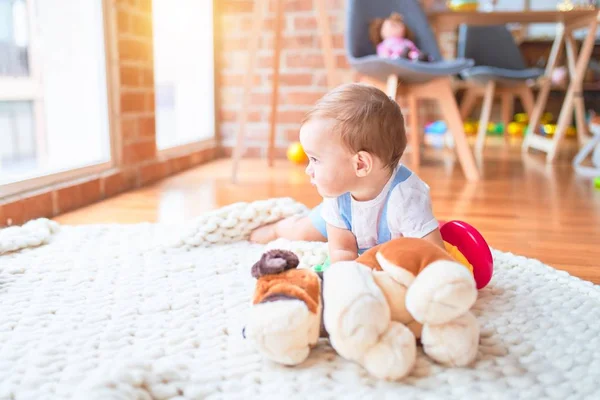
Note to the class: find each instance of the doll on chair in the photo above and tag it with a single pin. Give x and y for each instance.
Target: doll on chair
(393, 39)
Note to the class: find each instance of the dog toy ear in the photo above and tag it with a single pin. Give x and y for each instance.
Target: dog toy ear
(275, 262)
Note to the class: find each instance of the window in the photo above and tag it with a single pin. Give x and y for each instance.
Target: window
(17, 142)
(53, 90)
(183, 71)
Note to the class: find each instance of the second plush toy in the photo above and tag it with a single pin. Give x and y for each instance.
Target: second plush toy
(393, 39)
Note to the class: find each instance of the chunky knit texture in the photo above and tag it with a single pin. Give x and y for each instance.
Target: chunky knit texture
(156, 311)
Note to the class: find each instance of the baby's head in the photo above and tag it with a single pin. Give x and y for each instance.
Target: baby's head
(354, 133)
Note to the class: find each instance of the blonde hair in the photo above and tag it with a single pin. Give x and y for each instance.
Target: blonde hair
(366, 120)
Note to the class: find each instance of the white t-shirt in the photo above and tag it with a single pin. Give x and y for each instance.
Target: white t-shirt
(409, 212)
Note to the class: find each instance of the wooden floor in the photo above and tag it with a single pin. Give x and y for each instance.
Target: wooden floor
(522, 205)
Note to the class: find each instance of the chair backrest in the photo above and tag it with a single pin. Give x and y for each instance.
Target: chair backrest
(492, 46)
(361, 12)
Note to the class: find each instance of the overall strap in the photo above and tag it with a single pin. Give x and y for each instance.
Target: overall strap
(344, 203)
(383, 231)
(345, 207)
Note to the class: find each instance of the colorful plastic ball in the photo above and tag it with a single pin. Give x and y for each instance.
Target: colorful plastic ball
(597, 182)
(515, 128)
(571, 131)
(436, 127)
(549, 129)
(547, 118)
(521, 117)
(499, 129)
(463, 5)
(296, 154)
(470, 128)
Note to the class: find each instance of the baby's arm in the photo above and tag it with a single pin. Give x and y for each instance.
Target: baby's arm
(435, 237)
(342, 244)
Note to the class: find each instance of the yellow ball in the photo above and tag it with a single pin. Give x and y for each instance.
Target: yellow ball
(462, 5)
(522, 117)
(571, 131)
(515, 128)
(549, 129)
(547, 118)
(296, 154)
(470, 128)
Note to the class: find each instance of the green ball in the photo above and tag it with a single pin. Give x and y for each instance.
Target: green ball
(597, 182)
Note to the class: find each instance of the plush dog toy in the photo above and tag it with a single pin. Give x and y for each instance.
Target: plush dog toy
(373, 309)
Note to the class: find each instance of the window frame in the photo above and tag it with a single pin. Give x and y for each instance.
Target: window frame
(30, 89)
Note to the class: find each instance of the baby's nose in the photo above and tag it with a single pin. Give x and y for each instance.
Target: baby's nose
(309, 170)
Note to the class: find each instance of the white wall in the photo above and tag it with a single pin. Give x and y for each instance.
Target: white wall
(183, 66)
(72, 56)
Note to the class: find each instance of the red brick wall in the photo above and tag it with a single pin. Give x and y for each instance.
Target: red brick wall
(137, 162)
(302, 82)
(302, 78)
(303, 75)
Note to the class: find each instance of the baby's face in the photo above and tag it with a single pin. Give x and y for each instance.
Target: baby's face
(330, 165)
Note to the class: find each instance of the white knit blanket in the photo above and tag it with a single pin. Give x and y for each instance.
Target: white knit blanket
(155, 311)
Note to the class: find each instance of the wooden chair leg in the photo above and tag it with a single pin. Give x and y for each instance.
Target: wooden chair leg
(275, 85)
(527, 99)
(468, 103)
(391, 88)
(451, 114)
(507, 100)
(484, 119)
(257, 19)
(414, 138)
(326, 43)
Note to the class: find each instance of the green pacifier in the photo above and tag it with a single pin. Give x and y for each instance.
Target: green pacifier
(322, 267)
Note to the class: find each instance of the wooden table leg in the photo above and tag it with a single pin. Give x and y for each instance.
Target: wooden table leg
(275, 83)
(257, 19)
(574, 86)
(582, 130)
(532, 139)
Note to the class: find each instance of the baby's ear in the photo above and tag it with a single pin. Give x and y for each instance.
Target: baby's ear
(363, 163)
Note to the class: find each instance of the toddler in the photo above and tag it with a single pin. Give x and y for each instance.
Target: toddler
(354, 138)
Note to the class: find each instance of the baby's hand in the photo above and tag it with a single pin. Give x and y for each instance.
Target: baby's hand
(263, 234)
